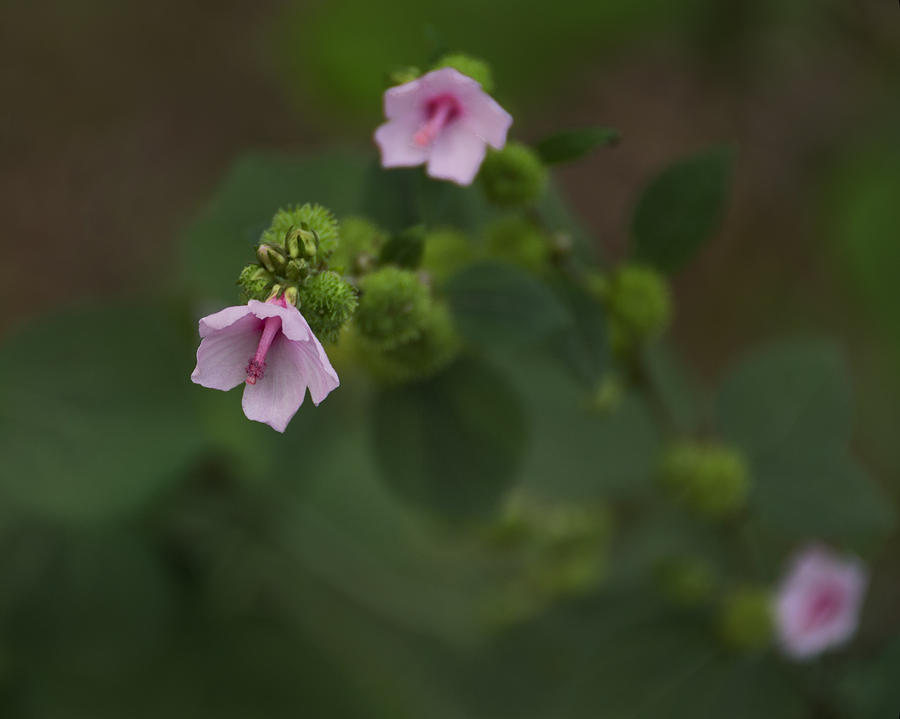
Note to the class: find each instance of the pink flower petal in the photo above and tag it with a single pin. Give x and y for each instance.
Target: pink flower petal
(456, 155)
(222, 319)
(405, 100)
(395, 140)
(276, 397)
(484, 117)
(293, 325)
(224, 353)
(317, 371)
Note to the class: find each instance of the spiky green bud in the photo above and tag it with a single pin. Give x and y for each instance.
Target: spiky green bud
(446, 252)
(639, 305)
(478, 70)
(327, 302)
(393, 307)
(255, 283)
(517, 241)
(435, 348)
(311, 218)
(712, 480)
(513, 176)
(745, 619)
(296, 270)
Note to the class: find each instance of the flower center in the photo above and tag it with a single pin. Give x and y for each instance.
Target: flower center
(824, 607)
(256, 368)
(439, 111)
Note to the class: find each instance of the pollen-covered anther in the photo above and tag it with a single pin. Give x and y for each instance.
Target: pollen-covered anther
(255, 370)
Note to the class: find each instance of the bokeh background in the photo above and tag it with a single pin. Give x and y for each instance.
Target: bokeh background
(117, 124)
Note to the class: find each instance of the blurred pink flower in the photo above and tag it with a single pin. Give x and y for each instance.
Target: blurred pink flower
(818, 603)
(443, 118)
(270, 347)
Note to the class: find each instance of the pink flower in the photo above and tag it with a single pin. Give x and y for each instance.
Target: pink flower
(270, 347)
(445, 119)
(817, 605)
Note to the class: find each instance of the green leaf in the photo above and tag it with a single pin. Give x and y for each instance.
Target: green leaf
(828, 496)
(678, 389)
(583, 345)
(792, 397)
(452, 444)
(223, 238)
(571, 145)
(681, 208)
(96, 417)
(869, 689)
(495, 303)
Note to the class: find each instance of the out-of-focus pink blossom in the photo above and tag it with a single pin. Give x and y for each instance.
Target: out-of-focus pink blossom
(443, 118)
(818, 603)
(269, 347)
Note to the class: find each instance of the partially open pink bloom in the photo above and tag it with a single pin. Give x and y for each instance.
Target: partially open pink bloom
(269, 347)
(443, 118)
(817, 605)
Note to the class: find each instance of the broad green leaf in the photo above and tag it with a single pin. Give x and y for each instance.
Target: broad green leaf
(223, 238)
(452, 444)
(869, 689)
(96, 417)
(790, 399)
(679, 391)
(583, 345)
(495, 303)
(390, 196)
(680, 209)
(825, 495)
(571, 145)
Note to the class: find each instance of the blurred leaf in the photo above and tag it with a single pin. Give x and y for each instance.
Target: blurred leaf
(792, 397)
(681, 208)
(571, 145)
(390, 196)
(495, 303)
(583, 345)
(869, 689)
(223, 238)
(678, 389)
(828, 496)
(97, 416)
(577, 452)
(452, 444)
(404, 249)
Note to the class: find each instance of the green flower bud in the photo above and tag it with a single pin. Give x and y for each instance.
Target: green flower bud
(360, 245)
(302, 243)
(638, 302)
(446, 252)
(513, 176)
(712, 480)
(431, 351)
(519, 242)
(271, 258)
(292, 296)
(402, 75)
(296, 270)
(314, 218)
(687, 581)
(393, 307)
(255, 283)
(478, 70)
(328, 302)
(745, 619)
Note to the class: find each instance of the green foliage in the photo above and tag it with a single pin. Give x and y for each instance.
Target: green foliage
(478, 70)
(393, 307)
(570, 145)
(869, 689)
(327, 302)
(513, 176)
(446, 252)
(361, 242)
(680, 209)
(404, 249)
(496, 304)
(685, 580)
(451, 444)
(310, 217)
(97, 419)
(745, 620)
(256, 283)
(517, 241)
(710, 479)
(639, 305)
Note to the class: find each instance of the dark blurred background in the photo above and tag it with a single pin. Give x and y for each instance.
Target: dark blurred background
(118, 119)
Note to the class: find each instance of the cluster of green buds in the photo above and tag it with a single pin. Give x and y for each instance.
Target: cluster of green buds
(293, 261)
(710, 479)
(552, 550)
